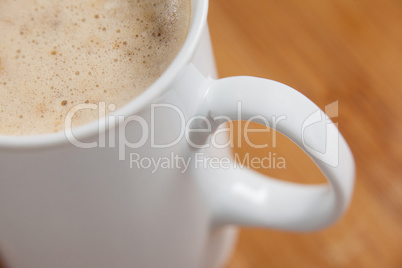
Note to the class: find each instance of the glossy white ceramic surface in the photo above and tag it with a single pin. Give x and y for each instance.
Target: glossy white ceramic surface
(62, 206)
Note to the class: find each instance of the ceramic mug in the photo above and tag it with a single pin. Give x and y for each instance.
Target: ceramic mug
(92, 198)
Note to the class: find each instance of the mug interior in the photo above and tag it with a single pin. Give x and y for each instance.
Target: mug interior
(199, 12)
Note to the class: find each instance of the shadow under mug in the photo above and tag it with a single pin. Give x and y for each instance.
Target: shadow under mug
(74, 200)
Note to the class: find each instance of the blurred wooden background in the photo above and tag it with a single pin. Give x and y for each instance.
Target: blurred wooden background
(346, 50)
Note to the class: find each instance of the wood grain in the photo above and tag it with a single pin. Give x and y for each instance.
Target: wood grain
(344, 50)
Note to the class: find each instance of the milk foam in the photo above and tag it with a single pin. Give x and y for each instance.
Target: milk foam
(57, 54)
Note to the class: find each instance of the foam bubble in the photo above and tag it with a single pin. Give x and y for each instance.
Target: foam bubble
(61, 53)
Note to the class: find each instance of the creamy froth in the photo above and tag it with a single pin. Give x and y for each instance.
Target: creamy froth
(57, 54)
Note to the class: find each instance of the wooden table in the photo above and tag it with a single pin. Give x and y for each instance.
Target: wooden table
(345, 50)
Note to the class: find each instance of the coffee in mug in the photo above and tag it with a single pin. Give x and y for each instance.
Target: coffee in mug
(57, 54)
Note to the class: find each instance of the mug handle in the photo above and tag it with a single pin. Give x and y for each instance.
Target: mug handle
(251, 199)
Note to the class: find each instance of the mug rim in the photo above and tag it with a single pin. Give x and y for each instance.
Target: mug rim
(199, 12)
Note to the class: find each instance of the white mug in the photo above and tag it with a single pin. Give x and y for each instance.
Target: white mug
(91, 197)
